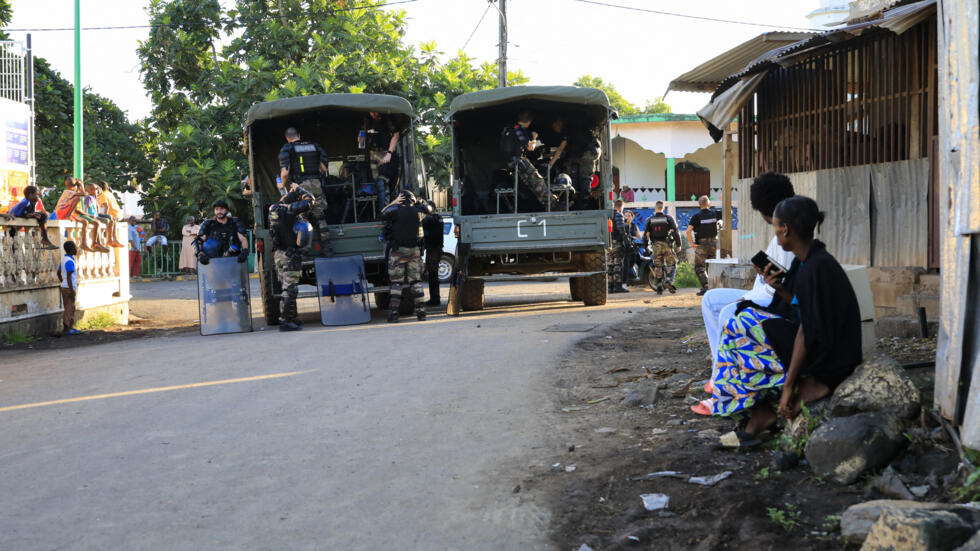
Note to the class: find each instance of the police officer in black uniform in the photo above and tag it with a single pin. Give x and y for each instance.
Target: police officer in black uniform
(516, 141)
(432, 227)
(403, 230)
(381, 137)
(617, 251)
(290, 236)
(223, 235)
(583, 154)
(704, 225)
(660, 235)
(303, 164)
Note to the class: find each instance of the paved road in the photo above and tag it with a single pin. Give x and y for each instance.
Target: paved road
(407, 436)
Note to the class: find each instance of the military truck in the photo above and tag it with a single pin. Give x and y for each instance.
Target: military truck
(505, 233)
(354, 216)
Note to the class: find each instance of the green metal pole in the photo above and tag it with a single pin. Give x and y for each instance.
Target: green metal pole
(77, 167)
(670, 178)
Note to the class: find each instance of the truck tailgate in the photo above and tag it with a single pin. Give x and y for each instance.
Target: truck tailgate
(511, 233)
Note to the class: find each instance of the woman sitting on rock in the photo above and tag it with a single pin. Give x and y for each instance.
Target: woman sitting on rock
(804, 344)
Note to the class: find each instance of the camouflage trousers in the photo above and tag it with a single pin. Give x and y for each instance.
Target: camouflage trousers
(615, 256)
(663, 257)
(705, 250)
(582, 170)
(318, 212)
(289, 268)
(529, 176)
(405, 268)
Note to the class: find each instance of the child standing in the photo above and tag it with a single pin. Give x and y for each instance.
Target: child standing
(68, 276)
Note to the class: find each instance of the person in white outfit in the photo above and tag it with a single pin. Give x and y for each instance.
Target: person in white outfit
(718, 305)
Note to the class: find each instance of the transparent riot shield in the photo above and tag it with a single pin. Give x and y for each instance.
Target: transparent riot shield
(342, 289)
(223, 296)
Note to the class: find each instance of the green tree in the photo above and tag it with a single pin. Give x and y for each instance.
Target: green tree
(657, 106)
(619, 103)
(115, 149)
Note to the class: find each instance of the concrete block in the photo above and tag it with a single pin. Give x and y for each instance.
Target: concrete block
(929, 284)
(869, 339)
(888, 284)
(895, 326)
(861, 283)
(908, 306)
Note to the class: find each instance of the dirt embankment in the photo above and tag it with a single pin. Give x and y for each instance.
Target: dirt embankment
(661, 357)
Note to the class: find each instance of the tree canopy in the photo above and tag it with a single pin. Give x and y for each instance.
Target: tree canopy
(621, 104)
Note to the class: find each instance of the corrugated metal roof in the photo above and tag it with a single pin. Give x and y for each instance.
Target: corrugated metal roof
(707, 76)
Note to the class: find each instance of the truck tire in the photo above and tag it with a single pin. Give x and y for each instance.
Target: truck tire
(472, 298)
(595, 287)
(575, 287)
(406, 306)
(271, 289)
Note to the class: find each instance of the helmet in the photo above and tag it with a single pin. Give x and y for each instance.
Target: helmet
(221, 203)
(212, 248)
(304, 233)
(564, 180)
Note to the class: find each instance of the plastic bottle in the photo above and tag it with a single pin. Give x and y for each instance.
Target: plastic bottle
(279, 186)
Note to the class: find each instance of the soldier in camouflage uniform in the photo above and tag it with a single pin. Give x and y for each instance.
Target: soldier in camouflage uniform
(289, 237)
(617, 251)
(515, 142)
(660, 231)
(704, 226)
(403, 221)
(302, 163)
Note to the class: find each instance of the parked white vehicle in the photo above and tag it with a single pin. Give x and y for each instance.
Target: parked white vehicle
(448, 260)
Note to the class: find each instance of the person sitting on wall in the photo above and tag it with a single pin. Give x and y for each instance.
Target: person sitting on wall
(109, 211)
(30, 207)
(803, 345)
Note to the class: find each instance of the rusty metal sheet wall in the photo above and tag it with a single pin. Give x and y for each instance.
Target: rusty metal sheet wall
(902, 218)
(753, 232)
(843, 194)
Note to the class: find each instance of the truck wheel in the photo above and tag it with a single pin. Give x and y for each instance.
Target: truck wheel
(575, 287)
(271, 290)
(472, 298)
(595, 286)
(382, 300)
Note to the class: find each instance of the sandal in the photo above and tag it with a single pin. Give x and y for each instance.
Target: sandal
(708, 388)
(739, 440)
(703, 407)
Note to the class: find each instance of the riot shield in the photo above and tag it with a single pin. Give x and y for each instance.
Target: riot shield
(223, 296)
(342, 289)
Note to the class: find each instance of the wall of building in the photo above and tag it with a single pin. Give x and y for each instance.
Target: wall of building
(643, 170)
(30, 302)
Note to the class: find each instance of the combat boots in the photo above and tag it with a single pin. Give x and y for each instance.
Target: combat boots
(290, 317)
(420, 313)
(670, 287)
(393, 315)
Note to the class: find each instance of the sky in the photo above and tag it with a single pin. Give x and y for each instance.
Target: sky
(551, 41)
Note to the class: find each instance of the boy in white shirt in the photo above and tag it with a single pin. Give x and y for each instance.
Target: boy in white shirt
(68, 276)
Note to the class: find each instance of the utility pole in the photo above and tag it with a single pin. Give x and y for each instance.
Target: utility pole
(502, 60)
(77, 164)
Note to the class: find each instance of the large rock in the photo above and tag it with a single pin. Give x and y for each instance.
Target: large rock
(857, 520)
(844, 448)
(973, 544)
(878, 384)
(919, 530)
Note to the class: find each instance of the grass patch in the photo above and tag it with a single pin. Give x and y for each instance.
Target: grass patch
(102, 320)
(786, 518)
(685, 276)
(798, 443)
(17, 337)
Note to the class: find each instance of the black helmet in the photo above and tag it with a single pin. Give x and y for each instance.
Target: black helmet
(221, 203)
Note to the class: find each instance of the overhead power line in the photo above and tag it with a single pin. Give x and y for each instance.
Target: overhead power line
(687, 16)
(477, 26)
(191, 23)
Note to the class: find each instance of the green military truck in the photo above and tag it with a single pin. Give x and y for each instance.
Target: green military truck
(505, 233)
(354, 216)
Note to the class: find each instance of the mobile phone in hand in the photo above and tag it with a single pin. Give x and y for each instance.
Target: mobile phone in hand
(761, 259)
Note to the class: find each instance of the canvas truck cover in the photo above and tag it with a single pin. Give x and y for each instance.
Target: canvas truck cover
(499, 96)
(302, 104)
